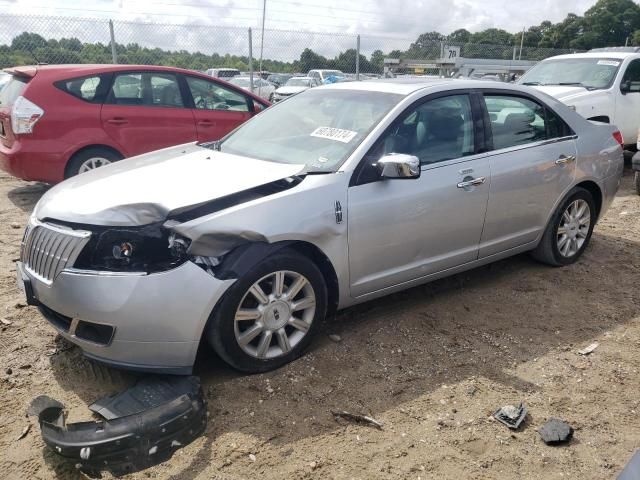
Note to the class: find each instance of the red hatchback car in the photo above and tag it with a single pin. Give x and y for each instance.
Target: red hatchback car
(60, 120)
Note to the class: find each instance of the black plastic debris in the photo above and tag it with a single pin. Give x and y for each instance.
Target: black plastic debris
(555, 432)
(142, 426)
(632, 470)
(511, 416)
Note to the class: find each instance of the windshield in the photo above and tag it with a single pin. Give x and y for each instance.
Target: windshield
(590, 73)
(227, 73)
(319, 128)
(242, 82)
(328, 73)
(298, 82)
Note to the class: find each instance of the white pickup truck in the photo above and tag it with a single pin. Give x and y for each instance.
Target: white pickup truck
(602, 85)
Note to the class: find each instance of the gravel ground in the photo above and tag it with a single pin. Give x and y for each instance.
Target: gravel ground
(431, 364)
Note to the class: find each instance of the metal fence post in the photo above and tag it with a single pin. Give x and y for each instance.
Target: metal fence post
(251, 60)
(114, 53)
(358, 57)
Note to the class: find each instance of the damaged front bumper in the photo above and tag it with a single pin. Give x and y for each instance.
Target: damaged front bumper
(146, 322)
(143, 426)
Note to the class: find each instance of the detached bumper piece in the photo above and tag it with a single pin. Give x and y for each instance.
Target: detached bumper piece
(142, 426)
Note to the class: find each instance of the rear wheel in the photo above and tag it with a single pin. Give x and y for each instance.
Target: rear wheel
(569, 230)
(90, 159)
(268, 317)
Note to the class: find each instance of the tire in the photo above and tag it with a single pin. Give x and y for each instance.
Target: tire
(636, 181)
(78, 162)
(223, 331)
(549, 250)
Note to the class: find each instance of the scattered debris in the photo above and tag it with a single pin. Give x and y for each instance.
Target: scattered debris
(20, 305)
(4, 321)
(555, 432)
(252, 457)
(313, 465)
(16, 226)
(353, 417)
(8, 371)
(589, 349)
(335, 338)
(24, 432)
(143, 426)
(632, 469)
(511, 416)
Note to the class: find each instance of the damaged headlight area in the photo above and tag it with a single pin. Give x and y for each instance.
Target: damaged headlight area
(148, 249)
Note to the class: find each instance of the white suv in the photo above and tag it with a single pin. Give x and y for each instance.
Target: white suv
(601, 85)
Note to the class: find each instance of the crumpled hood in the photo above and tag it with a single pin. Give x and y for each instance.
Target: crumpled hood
(564, 93)
(290, 90)
(144, 189)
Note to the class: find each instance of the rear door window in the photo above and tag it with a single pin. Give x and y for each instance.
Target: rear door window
(146, 89)
(519, 121)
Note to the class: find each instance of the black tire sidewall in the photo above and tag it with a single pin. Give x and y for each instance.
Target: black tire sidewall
(576, 194)
(220, 331)
(79, 158)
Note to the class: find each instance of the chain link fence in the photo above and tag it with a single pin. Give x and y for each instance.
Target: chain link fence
(27, 40)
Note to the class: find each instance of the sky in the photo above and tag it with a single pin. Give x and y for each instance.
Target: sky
(382, 24)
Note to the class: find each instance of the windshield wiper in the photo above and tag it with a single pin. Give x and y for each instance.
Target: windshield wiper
(532, 83)
(577, 84)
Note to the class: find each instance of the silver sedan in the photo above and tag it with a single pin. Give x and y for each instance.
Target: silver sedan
(362, 189)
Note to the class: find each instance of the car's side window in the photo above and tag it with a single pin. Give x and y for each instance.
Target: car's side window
(518, 121)
(91, 89)
(212, 96)
(631, 78)
(127, 89)
(437, 130)
(165, 91)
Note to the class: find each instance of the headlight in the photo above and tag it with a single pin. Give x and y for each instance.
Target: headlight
(145, 249)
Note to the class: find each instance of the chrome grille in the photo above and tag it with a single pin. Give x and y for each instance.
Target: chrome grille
(48, 249)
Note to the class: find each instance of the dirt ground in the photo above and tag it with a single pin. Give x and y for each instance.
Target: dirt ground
(431, 363)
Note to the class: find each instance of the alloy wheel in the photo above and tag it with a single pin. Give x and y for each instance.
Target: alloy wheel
(275, 314)
(574, 228)
(93, 163)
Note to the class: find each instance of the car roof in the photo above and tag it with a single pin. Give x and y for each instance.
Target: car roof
(602, 54)
(406, 86)
(85, 69)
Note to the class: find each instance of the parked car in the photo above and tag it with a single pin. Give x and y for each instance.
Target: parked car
(293, 86)
(261, 87)
(60, 120)
(279, 79)
(601, 85)
(224, 73)
(322, 74)
(339, 195)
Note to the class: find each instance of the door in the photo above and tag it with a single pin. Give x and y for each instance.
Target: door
(404, 229)
(628, 103)
(532, 162)
(145, 111)
(217, 109)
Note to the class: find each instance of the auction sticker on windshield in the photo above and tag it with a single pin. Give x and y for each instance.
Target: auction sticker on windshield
(337, 134)
(610, 63)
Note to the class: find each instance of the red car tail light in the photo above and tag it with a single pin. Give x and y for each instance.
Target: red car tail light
(24, 115)
(618, 136)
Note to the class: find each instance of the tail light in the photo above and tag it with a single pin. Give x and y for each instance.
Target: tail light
(24, 115)
(618, 136)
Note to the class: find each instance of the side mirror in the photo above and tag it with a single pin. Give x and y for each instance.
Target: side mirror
(625, 87)
(399, 165)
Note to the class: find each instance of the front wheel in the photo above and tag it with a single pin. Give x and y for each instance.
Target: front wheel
(569, 230)
(268, 317)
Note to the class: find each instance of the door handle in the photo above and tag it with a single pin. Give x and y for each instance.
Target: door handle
(117, 121)
(206, 123)
(565, 159)
(472, 183)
